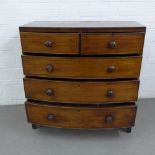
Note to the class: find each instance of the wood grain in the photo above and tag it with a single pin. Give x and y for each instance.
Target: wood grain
(82, 75)
(81, 68)
(81, 117)
(99, 43)
(62, 43)
(81, 92)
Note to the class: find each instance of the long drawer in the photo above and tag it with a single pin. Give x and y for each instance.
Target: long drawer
(81, 117)
(50, 43)
(112, 43)
(82, 67)
(82, 92)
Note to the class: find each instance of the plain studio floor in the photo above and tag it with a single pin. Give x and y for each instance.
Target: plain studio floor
(18, 138)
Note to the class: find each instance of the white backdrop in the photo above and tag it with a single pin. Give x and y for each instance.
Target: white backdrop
(17, 12)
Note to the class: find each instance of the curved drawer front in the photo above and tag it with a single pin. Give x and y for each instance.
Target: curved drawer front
(76, 67)
(112, 43)
(81, 117)
(50, 43)
(82, 91)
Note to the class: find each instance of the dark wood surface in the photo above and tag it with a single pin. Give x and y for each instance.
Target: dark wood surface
(61, 43)
(100, 43)
(81, 117)
(83, 26)
(82, 67)
(81, 92)
(93, 86)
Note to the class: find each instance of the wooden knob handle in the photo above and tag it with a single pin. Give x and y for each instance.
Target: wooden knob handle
(48, 44)
(49, 68)
(109, 119)
(111, 69)
(112, 44)
(49, 92)
(50, 117)
(110, 93)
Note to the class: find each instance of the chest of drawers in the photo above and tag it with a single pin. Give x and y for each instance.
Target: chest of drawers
(82, 75)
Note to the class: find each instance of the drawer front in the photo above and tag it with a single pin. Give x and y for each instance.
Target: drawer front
(112, 43)
(74, 67)
(50, 43)
(81, 117)
(81, 92)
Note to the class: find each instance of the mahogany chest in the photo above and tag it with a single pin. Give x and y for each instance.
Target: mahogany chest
(82, 75)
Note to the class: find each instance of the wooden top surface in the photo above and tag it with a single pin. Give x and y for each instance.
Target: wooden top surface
(82, 26)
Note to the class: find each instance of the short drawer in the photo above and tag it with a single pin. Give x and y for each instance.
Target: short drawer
(50, 43)
(112, 43)
(82, 92)
(81, 117)
(81, 68)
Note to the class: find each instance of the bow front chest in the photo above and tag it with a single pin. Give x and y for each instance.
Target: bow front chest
(82, 75)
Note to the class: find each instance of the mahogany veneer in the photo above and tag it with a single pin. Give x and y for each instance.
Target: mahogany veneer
(82, 75)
